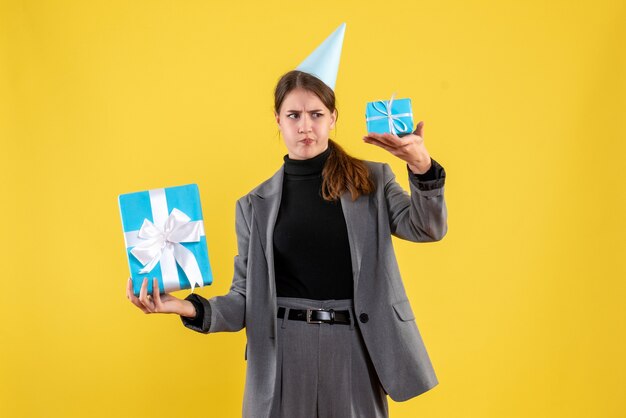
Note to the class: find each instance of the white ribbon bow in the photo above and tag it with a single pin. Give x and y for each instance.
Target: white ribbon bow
(393, 119)
(177, 229)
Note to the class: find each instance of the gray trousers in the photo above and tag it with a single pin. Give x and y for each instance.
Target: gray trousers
(324, 370)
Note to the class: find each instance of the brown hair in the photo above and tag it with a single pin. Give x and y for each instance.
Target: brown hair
(341, 171)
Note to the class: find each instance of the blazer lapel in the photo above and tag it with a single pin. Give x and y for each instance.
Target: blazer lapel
(358, 225)
(265, 201)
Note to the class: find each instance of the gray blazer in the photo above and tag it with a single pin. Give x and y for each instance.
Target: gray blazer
(384, 314)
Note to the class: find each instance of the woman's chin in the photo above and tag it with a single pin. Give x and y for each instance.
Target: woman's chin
(304, 153)
(312, 150)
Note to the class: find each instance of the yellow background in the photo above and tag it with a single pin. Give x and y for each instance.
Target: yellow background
(521, 306)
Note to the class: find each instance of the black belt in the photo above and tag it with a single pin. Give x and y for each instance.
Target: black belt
(317, 316)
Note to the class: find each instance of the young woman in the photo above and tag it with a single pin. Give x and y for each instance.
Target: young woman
(316, 284)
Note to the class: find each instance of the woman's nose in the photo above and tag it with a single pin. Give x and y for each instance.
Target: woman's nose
(305, 124)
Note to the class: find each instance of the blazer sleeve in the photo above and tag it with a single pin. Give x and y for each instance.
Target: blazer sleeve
(227, 312)
(421, 216)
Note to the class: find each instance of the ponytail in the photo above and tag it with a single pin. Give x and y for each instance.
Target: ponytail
(343, 172)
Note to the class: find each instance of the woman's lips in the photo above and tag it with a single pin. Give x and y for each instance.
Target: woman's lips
(307, 141)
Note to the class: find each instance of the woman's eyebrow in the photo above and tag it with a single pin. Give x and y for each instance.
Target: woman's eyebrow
(310, 111)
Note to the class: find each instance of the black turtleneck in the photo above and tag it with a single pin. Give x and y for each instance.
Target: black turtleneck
(311, 248)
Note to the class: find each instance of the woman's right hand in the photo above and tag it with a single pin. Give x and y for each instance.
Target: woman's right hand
(159, 303)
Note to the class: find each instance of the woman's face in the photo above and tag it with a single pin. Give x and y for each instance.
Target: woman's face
(305, 123)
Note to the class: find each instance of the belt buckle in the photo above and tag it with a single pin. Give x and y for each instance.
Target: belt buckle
(309, 312)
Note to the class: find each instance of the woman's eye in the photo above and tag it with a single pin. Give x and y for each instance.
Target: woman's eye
(318, 115)
(292, 115)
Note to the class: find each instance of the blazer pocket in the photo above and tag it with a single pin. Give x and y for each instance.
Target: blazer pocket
(404, 311)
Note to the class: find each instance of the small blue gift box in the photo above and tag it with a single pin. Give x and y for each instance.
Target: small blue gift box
(389, 116)
(164, 236)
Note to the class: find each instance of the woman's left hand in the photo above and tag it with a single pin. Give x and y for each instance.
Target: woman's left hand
(409, 148)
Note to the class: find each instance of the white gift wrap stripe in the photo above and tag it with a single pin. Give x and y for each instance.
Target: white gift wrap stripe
(158, 203)
(131, 238)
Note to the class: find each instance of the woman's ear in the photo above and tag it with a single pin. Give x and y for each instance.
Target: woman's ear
(277, 118)
(333, 119)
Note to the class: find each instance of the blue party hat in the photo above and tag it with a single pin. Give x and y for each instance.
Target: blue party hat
(324, 61)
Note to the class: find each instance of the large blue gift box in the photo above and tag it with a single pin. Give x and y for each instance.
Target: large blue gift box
(389, 116)
(164, 236)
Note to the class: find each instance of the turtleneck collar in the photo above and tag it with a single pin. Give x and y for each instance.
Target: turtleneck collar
(311, 166)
